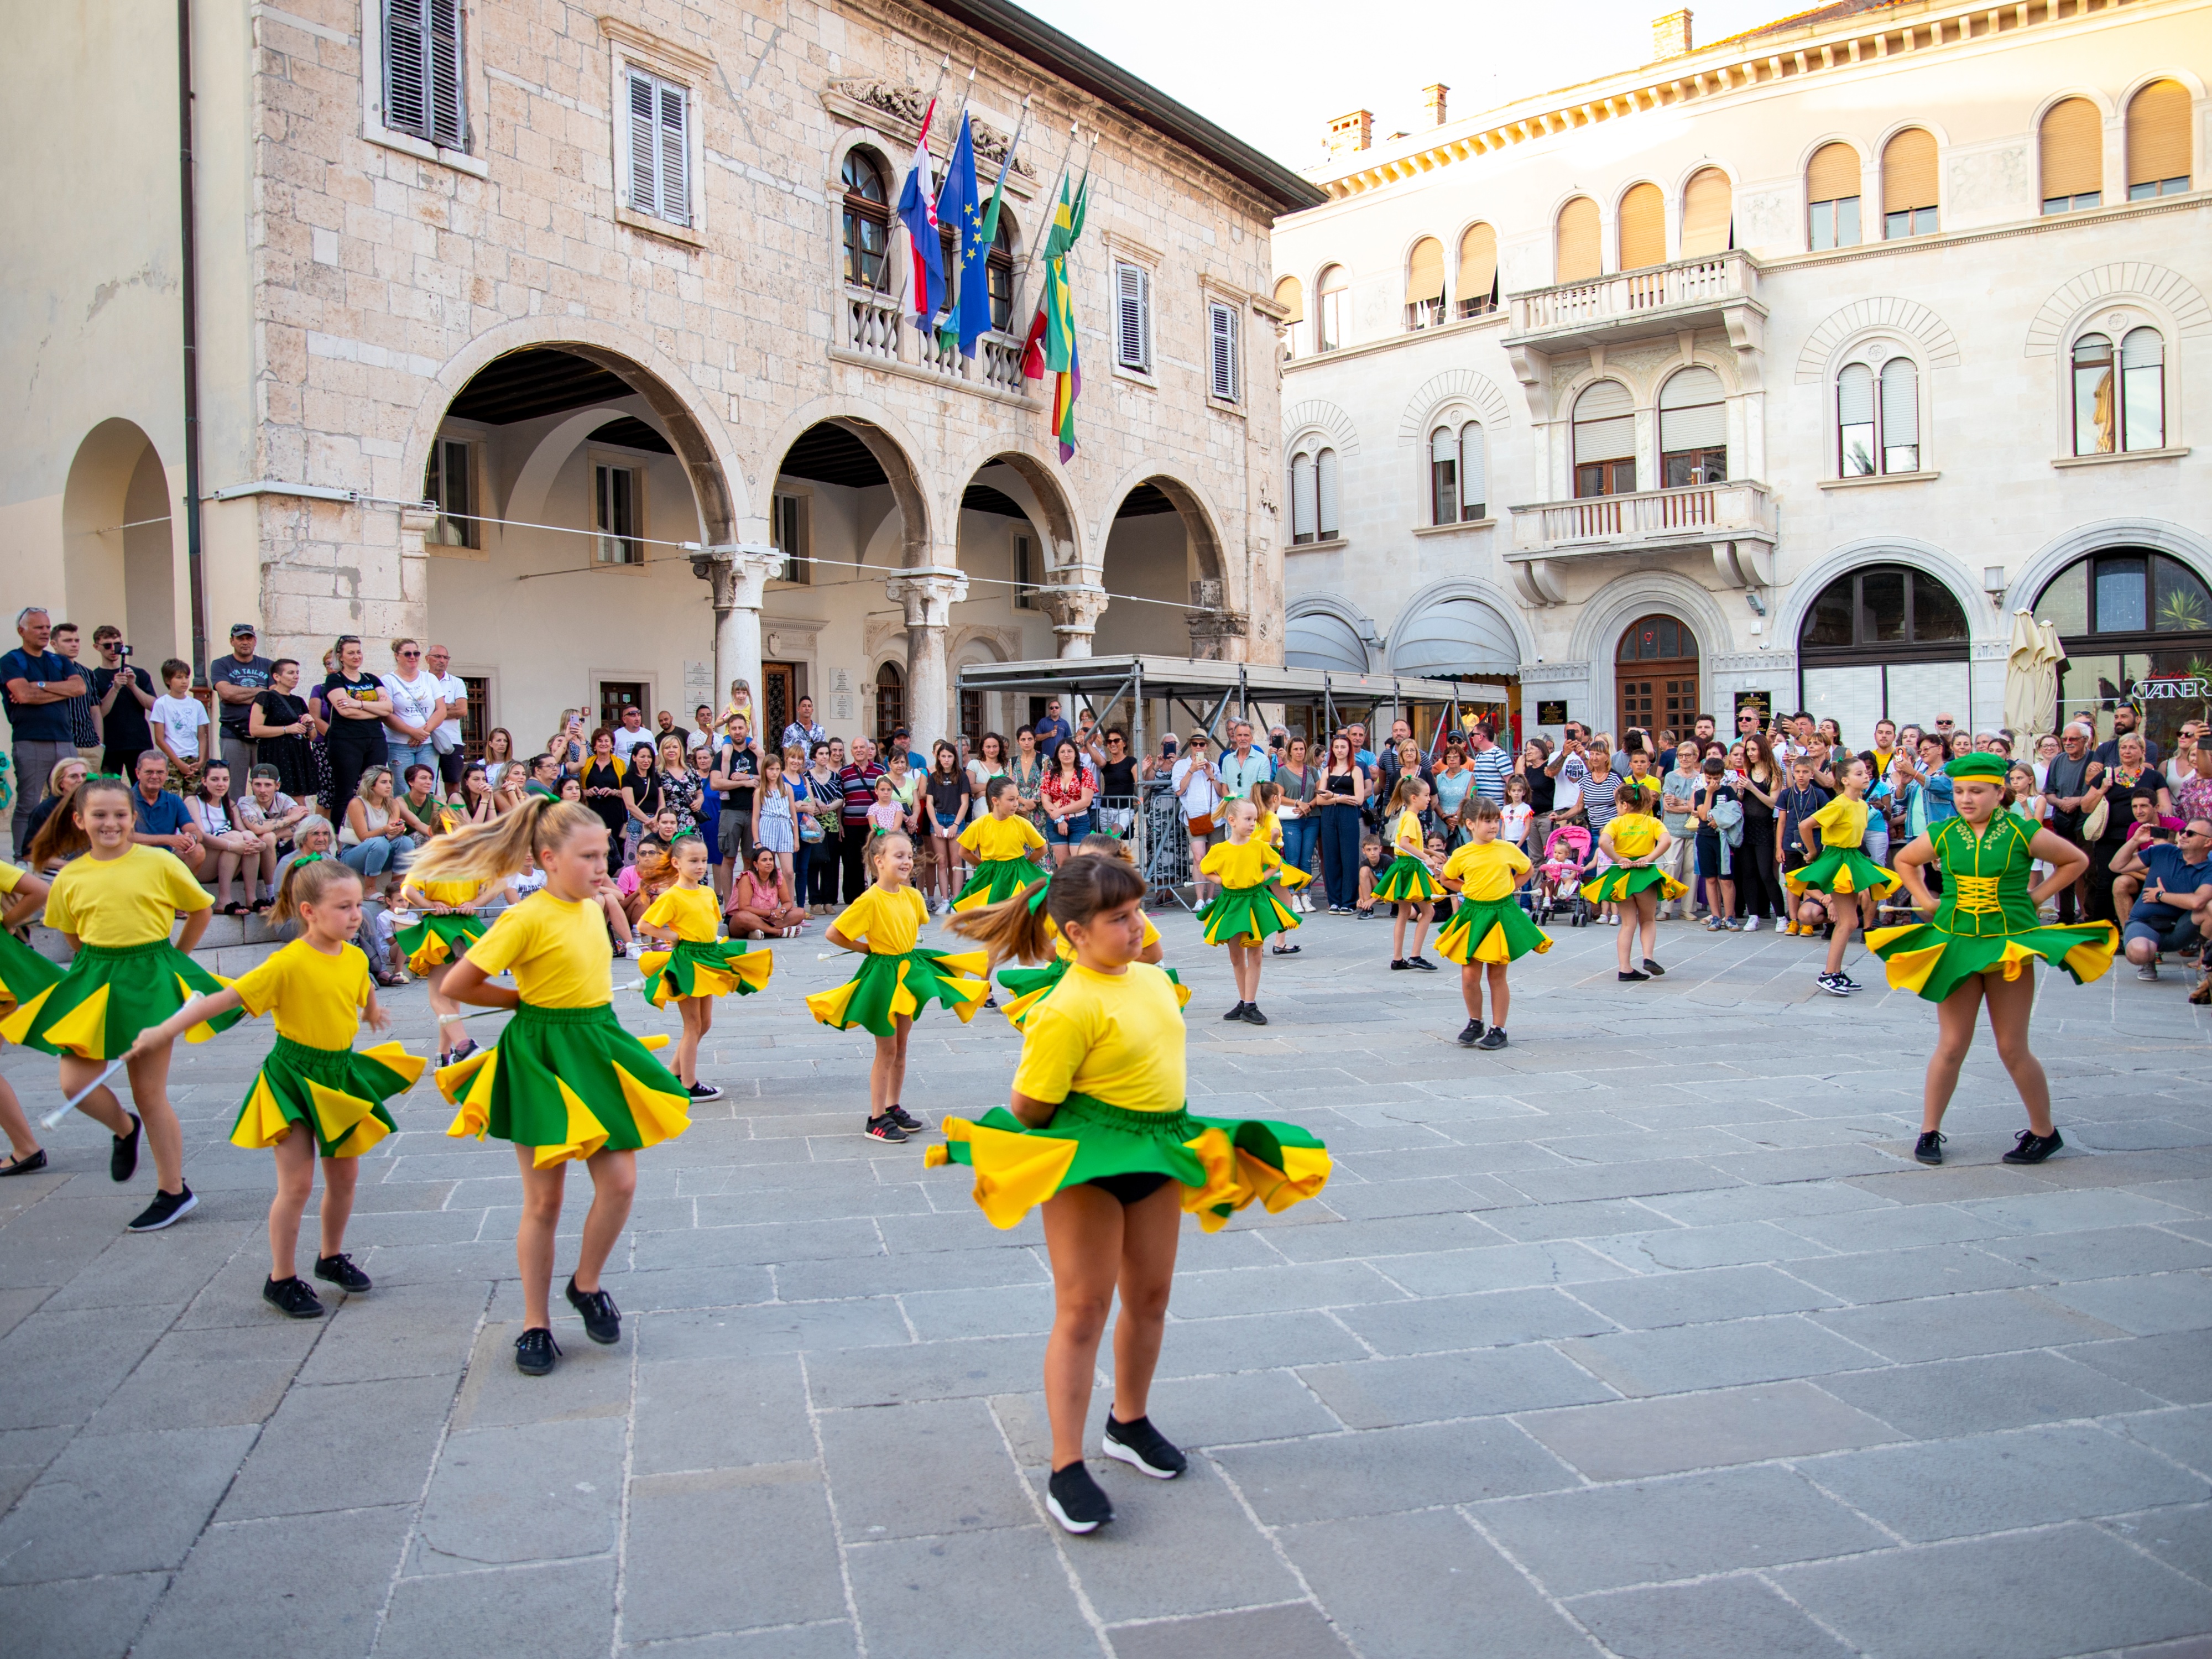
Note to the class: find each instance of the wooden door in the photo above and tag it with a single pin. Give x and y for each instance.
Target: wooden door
(615, 695)
(1655, 677)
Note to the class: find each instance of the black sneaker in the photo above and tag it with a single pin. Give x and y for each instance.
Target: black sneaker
(1849, 984)
(1654, 968)
(340, 1271)
(904, 1119)
(1400, 966)
(24, 1165)
(1928, 1149)
(703, 1092)
(1470, 1034)
(1630, 975)
(535, 1351)
(1144, 1448)
(169, 1208)
(1493, 1038)
(2032, 1148)
(1238, 1013)
(1421, 962)
(1075, 1500)
(122, 1157)
(1833, 985)
(882, 1128)
(990, 1001)
(602, 1319)
(1252, 1015)
(292, 1296)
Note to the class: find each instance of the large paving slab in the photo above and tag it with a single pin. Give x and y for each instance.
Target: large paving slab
(1643, 1338)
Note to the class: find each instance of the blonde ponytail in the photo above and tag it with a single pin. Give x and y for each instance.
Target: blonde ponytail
(1014, 929)
(504, 846)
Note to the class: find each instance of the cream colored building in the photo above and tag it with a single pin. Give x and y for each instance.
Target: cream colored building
(1781, 368)
(619, 296)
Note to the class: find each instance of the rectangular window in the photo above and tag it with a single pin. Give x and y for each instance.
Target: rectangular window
(423, 71)
(615, 515)
(2073, 203)
(1908, 222)
(788, 520)
(659, 148)
(1132, 317)
(1302, 504)
(1325, 471)
(1836, 224)
(476, 715)
(1025, 573)
(449, 486)
(1221, 329)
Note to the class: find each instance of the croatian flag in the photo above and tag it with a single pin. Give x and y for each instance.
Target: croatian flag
(917, 208)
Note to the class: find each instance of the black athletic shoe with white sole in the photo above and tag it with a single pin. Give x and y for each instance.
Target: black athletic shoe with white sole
(169, 1208)
(884, 1129)
(339, 1270)
(291, 1296)
(1143, 1447)
(122, 1157)
(1076, 1501)
(1252, 1016)
(704, 1092)
(535, 1351)
(1494, 1038)
(1470, 1034)
(2032, 1148)
(904, 1119)
(602, 1319)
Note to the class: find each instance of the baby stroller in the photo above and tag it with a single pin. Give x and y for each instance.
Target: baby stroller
(1560, 876)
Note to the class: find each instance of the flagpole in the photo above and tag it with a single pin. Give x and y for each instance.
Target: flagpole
(998, 199)
(929, 109)
(1051, 207)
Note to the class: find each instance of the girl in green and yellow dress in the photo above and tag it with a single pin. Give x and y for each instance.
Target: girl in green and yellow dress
(1977, 941)
(1097, 1130)
(1246, 909)
(896, 977)
(448, 925)
(695, 964)
(23, 974)
(1000, 842)
(1407, 883)
(1030, 986)
(1491, 929)
(1635, 840)
(564, 1081)
(320, 990)
(1853, 881)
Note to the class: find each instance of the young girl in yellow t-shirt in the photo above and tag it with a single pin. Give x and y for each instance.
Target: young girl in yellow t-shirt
(23, 974)
(1636, 840)
(1490, 929)
(1000, 842)
(1266, 794)
(320, 990)
(895, 978)
(994, 925)
(1097, 1130)
(449, 924)
(698, 964)
(1407, 883)
(1842, 869)
(1246, 909)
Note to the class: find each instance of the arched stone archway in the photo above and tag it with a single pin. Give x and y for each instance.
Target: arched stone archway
(119, 552)
(1155, 573)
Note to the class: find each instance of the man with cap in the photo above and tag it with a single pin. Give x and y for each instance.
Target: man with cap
(238, 680)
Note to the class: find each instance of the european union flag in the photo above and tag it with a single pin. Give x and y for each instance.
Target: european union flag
(959, 208)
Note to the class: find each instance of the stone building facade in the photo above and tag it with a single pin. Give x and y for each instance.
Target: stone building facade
(574, 342)
(1781, 369)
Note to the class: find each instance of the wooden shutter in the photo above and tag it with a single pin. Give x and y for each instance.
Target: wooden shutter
(1605, 423)
(1326, 480)
(1908, 172)
(659, 148)
(1642, 228)
(1708, 213)
(1579, 257)
(1478, 265)
(1424, 273)
(2072, 146)
(1221, 327)
(447, 126)
(1692, 412)
(1473, 471)
(2158, 134)
(644, 149)
(406, 58)
(1293, 299)
(675, 154)
(1833, 175)
(1133, 317)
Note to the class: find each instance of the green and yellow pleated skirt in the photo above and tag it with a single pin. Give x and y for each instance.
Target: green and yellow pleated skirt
(1622, 881)
(1842, 870)
(23, 973)
(1237, 914)
(1490, 931)
(340, 1093)
(887, 986)
(1222, 1164)
(1030, 986)
(109, 995)
(1924, 959)
(1407, 880)
(569, 1082)
(704, 970)
(995, 880)
(437, 940)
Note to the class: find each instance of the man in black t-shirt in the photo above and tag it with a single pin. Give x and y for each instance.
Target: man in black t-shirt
(237, 680)
(736, 763)
(123, 694)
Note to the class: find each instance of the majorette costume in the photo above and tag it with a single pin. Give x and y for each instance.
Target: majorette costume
(1247, 909)
(1110, 1048)
(564, 1076)
(314, 1075)
(1985, 922)
(1841, 868)
(1030, 986)
(1000, 847)
(126, 975)
(897, 977)
(1408, 877)
(1634, 835)
(1489, 924)
(702, 964)
(436, 939)
(23, 972)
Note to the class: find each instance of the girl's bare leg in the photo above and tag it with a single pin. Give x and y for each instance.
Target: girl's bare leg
(1420, 925)
(165, 1136)
(2011, 1001)
(1847, 917)
(450, 1036)
(16, 1123)
(534, 1235)
(898, 1060)
(1499, 996)
(1150, 1228)
(1398, 933)
(614, 1186)
(687, 1045)
(340, 1176)
(881, 1075)
(1646, 920)
(101, 1105)
(1470, 989)
(1083, 1232)
(295, 1182)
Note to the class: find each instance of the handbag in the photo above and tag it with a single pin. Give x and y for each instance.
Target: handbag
(1201, 826)
(2092, 827)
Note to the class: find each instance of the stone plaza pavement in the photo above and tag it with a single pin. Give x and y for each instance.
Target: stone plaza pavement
(1644, 1338)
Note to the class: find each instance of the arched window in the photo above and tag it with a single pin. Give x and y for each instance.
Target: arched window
(1883, 642)
(1457, 466)
(1642, 228)
(1831, 194)
(999, 271)
(2158, 141)
(2125, 616)
(1334, 309)
(1708, 215)
(2120, 405)
(1577, 257)
(1878, 419)
(1291, 297)
(1325, 494)
(2070, 156)
(1908, 184)
(1425, 284)
(1605, 441)
(1656, 670)
(867, 221)
(1477, 271)
(1692, 428)
(890, 701)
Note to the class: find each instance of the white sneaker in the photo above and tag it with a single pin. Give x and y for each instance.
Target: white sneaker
(1751, 924)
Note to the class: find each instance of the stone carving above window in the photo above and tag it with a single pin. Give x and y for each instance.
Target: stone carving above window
(897, 110)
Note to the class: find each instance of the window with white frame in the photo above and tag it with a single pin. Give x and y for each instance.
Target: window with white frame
(659, 146)
(617, 518)
(2119, 395)
(1221, 340)
(1692, 428)
(1132, 317)
(1458, 469)
(449, 483)
(1313, 496)
(1878, 419)
(422, 55)
(787, 524)
(1325, 493)
(1333, 309)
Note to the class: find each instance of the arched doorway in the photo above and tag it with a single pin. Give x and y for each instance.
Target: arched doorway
(1884, 641)
(1655, 676)
(2133, 622)
(119, 555)
(890, 701)
(1161, 552)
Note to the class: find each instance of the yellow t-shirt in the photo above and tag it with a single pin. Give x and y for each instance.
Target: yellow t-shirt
(991, 839)
(318, 999)
(1406, 835)
(1245, 865)
(444, 892)
(1842, 822)
(692, 912)
(890, 922)
(1487, 870)
(1635, 834)
(1067, 951)
(10, 877)
(557, 951)
(1269, 829)
(120, 902)
(1116, 1037)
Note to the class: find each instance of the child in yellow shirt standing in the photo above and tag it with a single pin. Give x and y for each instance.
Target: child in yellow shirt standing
(698, 964)
(1491, 929)
(1246, 909)
(1636, 840)
(1000, 842)
(448, 925)
(1407, 883)
(1842, 870)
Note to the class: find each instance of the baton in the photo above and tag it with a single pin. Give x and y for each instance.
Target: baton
(52, 1120)
(455, 1019)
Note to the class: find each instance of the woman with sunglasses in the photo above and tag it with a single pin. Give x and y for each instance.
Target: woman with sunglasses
(415, 707)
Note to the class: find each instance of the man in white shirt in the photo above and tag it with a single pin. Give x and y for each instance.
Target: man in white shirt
(1243, 765)
(630, 733)
(446, 738)
(700, 739)
(1197, 789)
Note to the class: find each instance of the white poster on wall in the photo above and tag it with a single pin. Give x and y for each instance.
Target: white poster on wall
(698, 685)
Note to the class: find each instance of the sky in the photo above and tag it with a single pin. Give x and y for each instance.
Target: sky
(1275, 75)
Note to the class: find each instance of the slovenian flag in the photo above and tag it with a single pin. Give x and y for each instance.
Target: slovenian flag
(917, 209)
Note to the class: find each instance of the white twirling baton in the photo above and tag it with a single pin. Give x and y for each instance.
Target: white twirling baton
(455, 1019)
(52, 1120)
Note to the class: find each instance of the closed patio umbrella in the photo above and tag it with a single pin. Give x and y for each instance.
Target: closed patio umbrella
(2031, 694)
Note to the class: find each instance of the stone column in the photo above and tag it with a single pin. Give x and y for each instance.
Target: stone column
(739, 573)
(1216, 631)
(929, 594)
(1075, 611)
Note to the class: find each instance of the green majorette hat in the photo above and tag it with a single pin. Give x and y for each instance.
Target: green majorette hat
(1990, 768)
